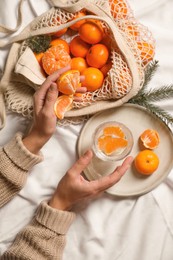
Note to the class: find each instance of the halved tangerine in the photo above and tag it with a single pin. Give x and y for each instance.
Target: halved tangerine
(68, 82)
(56, 57)
(62, 105)
(150, 138)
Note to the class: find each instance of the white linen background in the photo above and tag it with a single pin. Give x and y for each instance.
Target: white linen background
(109, 228)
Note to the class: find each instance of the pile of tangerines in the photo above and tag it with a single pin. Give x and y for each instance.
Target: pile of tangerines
(88, 54)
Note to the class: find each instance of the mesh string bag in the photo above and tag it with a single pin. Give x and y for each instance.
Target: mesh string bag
(131, 49)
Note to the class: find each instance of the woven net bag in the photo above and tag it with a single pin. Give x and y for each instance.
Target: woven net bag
(131, 43)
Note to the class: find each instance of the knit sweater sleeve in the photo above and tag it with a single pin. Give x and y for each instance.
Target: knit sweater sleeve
(15, 162)
(43, 238)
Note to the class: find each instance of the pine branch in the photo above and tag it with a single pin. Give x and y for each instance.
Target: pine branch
(164, 92)
(150, 71)
(157, 111)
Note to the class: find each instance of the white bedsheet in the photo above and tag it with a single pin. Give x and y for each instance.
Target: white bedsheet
(109, 228)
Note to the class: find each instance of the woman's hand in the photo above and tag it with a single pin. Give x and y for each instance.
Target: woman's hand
(73, 187)
(44, 122)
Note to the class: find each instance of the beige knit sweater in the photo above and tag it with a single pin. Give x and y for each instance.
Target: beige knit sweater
(44, 237)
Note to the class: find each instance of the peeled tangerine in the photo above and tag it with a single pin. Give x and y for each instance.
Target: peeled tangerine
(146, 162)
(150, 139)
(68, 82)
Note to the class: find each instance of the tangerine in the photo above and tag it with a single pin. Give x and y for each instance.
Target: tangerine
(106, 68)
(91, 32)
(61, 43)
(60, 33)
(146, 51)
(146, 162)
(119, 8)
(93, 78)
(78, 63)
(56, 57)
(150, 138)
(39, 57)
(78, 47)
(79, 14)
(68, 82)
(97, 55)
(62, 105)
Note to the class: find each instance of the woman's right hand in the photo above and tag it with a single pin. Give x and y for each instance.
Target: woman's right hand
(73, 187)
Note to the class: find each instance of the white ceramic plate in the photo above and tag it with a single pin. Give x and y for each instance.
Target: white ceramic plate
(137, 119)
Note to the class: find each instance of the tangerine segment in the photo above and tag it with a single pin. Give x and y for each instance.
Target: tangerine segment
(55, 58)
(68, 82)
(114, 131)
(93, 79)
(91, 32)
(146, 162)
(97, 55)
(109, 144)
(150, 138)
(62, 105)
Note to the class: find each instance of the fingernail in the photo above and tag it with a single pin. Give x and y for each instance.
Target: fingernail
(88, 153)
(53, 87)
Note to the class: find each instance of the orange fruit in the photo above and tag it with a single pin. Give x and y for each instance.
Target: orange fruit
(79, 14)
(119, 8)
(133, 30)
(78, 63)
(146, 51)
(93, 78)
(60, 33)
(106, 68)
(97, 55)
(61, 43)
(106, 40)
(39, 57)
(115, 131)
(78, 47)
(62, 105)
(55, 58)
(91, 32)
(146, 162)
(68, 82)
(109, 144)
(150, 138)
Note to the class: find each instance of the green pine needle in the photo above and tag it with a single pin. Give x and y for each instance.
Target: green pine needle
(150, 71)
(146, 97)
(162, 93)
